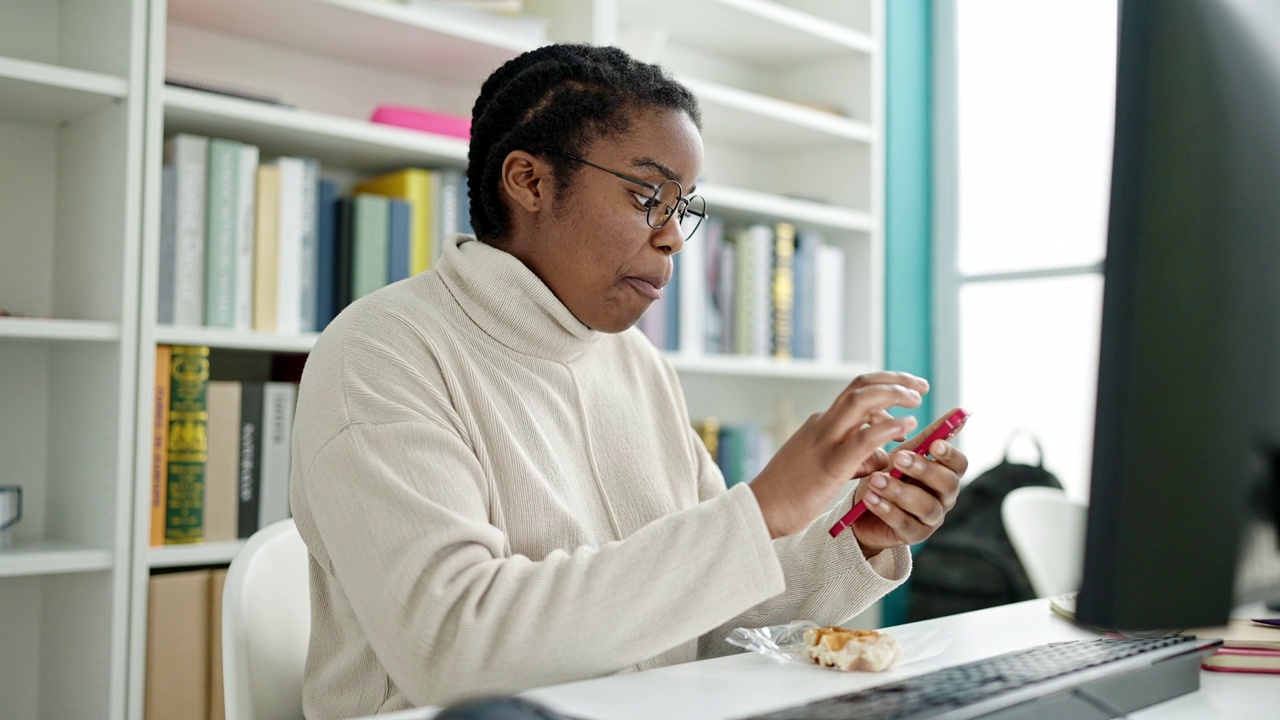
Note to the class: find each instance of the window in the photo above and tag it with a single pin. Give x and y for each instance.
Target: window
(1025, 106)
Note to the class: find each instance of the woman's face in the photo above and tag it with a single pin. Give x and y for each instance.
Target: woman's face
(593, 247)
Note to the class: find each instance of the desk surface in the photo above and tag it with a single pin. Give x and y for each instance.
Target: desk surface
(740, 685)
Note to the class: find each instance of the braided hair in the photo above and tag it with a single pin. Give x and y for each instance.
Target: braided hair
(561, 97)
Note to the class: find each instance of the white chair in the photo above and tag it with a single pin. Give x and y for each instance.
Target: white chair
(1046, 529)
(266, 625)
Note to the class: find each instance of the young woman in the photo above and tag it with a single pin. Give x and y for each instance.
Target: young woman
(497, 478)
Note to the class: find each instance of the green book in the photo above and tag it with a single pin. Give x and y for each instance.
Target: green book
(188, 445)
(221, 241)
(370, 239)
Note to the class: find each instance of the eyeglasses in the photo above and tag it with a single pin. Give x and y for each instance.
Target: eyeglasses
(668, 200)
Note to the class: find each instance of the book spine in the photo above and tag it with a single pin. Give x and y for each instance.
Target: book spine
(168, 245)
(246, 203)
(784, 246)
(289, 269)
(761, 289)
(278, 400)
(221, 225)
(266, 250)
(829, 304)
(221, 477)
(177, 681)
(160, 442)
(398, 220)
(370, 239)
(188, 445)
(188, 154)
(250, 460)
(309, 218)
(326, 254)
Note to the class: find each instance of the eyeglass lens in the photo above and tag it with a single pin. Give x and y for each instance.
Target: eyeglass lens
(690, 209)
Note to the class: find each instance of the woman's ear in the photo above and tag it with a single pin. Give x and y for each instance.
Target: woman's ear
(526, 181)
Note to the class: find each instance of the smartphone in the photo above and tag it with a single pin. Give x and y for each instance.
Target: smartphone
(944, 430)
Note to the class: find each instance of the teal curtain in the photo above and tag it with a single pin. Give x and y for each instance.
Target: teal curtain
(908, 207)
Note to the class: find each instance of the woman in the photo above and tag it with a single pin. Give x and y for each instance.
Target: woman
(497, 478)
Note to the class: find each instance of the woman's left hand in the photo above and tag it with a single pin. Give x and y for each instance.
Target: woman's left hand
(907, 510)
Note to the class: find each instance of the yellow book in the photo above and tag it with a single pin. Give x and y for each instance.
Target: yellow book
(188, 445)
(160, 443)
(784, 248)
(414, 186)
(266, 249)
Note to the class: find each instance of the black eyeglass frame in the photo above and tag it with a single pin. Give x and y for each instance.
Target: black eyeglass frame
(657, 196)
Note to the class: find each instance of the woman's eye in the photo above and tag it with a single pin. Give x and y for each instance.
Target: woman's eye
(645, 201)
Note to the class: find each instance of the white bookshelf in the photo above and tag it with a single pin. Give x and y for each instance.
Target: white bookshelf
(791, 92)
(71, 131)
(50, 330)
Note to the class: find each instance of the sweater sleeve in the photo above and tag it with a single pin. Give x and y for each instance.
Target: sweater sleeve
(828, 580)
(403, 512)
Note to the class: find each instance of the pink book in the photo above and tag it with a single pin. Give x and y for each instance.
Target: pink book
(423, 120)
(1256, 660)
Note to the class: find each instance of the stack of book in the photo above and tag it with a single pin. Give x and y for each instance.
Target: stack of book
(272, 247)
(1250, 646)
(757, 290)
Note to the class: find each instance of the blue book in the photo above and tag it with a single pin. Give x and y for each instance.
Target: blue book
(398, 238)
(326, 253)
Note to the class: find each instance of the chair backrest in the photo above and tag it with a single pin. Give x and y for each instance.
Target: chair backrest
(266, 626)
(1047, 531)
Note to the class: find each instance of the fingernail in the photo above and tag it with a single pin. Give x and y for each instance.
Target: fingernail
(939, 449)
(872, 499)
(904, 460)
(879, 481)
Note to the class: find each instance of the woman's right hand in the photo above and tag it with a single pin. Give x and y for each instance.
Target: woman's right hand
(832, 447)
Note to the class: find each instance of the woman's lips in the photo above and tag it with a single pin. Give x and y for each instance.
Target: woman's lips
(645, 287)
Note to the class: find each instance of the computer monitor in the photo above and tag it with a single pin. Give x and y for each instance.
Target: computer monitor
(1187, 436)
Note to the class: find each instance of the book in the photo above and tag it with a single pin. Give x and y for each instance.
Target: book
(278, 402)
(177, 682)
(1241, 633)
(414, 186)
(423, 120)
(189, 156)
(326, 254)
(290, 233)
(246, 205)
(784, 248)
(221, 228)
(249, 465)
(160, 443)
(309, 229)
(368, 238)
(221, 88)
(1229, 659)
(398, 225)
(165, 291)
(266, 248)
(217, 692)
(188, 445)
(221, 476)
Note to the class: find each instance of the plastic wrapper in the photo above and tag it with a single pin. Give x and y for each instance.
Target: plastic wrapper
(785, 643)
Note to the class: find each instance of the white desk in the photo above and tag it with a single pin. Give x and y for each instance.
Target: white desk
(740, 685)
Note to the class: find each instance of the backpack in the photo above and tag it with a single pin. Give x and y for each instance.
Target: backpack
(969, 563)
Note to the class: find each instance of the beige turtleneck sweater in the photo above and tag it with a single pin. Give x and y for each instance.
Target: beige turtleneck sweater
(496, 497)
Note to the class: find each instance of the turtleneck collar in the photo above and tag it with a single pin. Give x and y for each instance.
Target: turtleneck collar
(509, 303)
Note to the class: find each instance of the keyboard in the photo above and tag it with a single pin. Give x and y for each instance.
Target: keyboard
(1101, 678)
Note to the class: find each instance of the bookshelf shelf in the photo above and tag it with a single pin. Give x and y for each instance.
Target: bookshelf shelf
(761, 121)
(233, 340)
(394, 37)
(344, 142)
(765, 367)
(51, 557)
(765, 33)
(32, 92)
(735, 203)
(41, 330)
(214, 553)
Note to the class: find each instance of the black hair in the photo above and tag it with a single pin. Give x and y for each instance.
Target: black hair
(561, 97)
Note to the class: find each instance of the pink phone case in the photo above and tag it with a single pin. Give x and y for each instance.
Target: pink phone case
(945, 431)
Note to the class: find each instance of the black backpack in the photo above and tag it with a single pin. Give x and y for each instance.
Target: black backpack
(968, 563)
